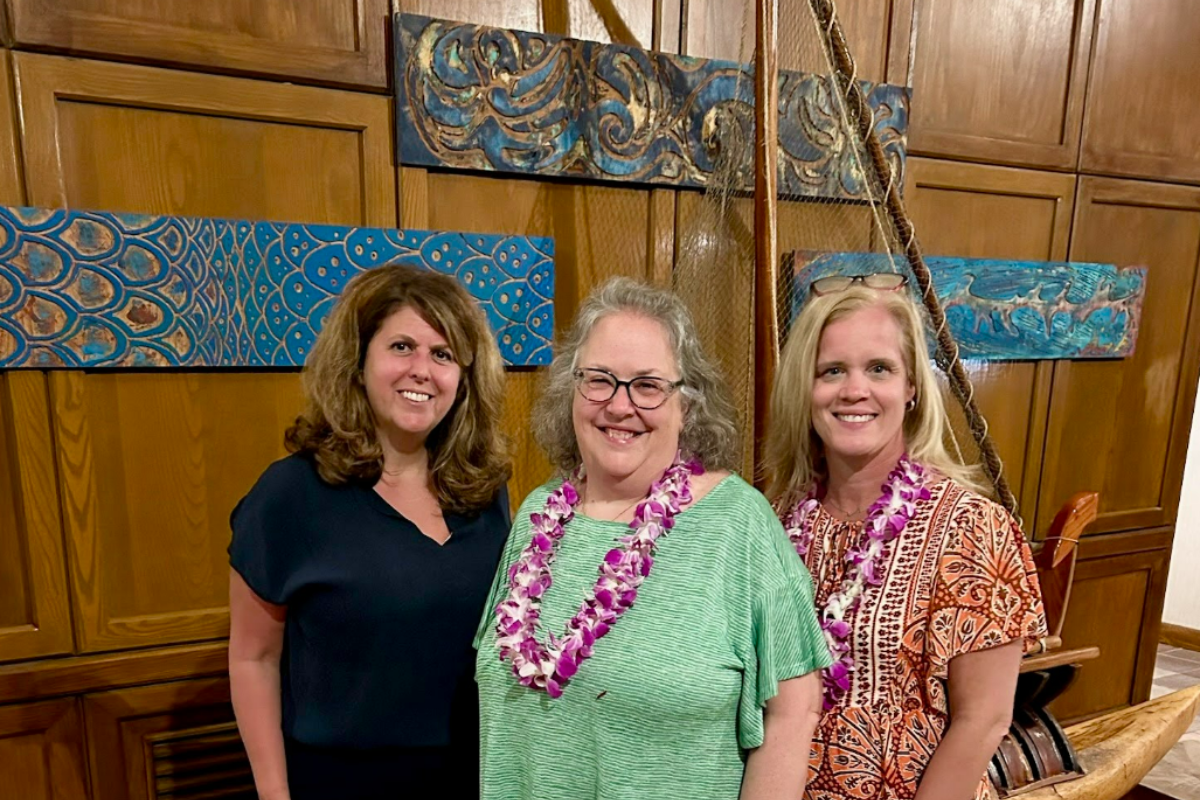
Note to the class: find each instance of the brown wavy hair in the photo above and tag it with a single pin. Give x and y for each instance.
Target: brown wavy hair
(468, 456)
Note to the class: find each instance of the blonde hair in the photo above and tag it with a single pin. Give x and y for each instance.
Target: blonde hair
(468, 456)
(795, 458)
(710, 430)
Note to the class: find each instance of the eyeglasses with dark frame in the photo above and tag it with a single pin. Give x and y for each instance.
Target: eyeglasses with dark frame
(879, 281)
(647, 392)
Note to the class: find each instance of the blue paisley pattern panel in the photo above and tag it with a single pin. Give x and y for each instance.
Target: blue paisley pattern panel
(94, 289)
(480, 98)
(1011, 310)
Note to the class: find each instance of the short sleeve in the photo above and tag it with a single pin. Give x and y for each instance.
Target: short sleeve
(268, 546)
(986, 591)
(786, 635)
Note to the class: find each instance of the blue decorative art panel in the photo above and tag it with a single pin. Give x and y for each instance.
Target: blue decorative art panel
(1013, 310)
(94, 289)
(474, 97)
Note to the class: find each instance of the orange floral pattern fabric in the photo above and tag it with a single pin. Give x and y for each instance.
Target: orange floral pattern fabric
(960, 578)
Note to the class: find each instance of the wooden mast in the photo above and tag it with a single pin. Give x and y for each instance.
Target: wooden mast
(766, 203)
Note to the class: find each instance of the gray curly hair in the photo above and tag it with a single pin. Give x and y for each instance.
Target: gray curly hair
(710, 429)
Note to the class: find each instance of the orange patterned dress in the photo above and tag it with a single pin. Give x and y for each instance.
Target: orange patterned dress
(959, 578)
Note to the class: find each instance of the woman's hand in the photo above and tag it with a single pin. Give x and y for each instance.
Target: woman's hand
(778, 769)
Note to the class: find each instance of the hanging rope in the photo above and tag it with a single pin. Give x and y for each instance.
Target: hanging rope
(947, 349)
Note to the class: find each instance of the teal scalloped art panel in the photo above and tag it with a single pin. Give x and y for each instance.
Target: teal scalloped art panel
(96, 289)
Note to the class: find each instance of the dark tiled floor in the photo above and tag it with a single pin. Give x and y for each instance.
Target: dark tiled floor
(1178, 774)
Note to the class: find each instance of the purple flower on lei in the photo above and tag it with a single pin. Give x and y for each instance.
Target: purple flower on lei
(550, 666)
(886, 519)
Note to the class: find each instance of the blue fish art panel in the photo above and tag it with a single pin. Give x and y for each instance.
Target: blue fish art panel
(1010, 310)
(96, 289)
(480, 98)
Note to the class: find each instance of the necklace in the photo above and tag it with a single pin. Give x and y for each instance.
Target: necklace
(849, 515)
(584, 502)
(550, 666)
(886, 518)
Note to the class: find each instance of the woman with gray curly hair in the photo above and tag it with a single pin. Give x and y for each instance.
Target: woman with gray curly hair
(687, 663)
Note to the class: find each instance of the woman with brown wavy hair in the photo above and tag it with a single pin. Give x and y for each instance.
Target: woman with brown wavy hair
(360, 563)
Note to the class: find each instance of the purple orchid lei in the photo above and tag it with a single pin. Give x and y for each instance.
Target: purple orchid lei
(886, 518)
(549, 667)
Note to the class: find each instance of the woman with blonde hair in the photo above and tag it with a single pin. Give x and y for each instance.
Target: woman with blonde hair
(925, 588)
(650, 634)
(360, 563)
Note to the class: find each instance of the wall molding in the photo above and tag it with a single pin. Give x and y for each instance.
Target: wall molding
(1179, 636)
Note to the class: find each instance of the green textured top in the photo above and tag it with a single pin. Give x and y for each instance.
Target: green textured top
(672, 697)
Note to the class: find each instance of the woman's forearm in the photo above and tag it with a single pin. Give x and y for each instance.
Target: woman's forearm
(779, 769)
(961, 760)
(254, 688)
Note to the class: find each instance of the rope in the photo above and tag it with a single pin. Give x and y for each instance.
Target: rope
(947, 356)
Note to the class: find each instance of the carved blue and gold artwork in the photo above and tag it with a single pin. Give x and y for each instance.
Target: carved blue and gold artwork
(1012, 310)
(94, 289)
(480, 98)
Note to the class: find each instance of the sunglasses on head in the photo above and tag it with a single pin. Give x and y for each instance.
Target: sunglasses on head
(880, 281)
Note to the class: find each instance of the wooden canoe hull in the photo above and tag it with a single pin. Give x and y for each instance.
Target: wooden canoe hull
(1118, 749)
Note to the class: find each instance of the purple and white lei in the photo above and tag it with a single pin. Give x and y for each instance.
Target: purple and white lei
(886, 518)
(550, 666)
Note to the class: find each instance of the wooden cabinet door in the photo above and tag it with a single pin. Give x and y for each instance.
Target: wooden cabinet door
(35, 615)
(981, 211)
(41, 751)
(120, 137)
(1000, 81)
(1121, 427)
(150, 463)
(722, 29)
(1116, 604)
(10, 175)
(1143, 101)
(171, 740)
(150, 466)
(329, 41)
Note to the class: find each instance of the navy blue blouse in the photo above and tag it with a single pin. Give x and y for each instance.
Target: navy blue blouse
(380, 618)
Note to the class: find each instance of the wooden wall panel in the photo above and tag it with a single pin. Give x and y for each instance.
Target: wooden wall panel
(983, 211)
(630, 22)
(331, 41)
(156, 741)
(1121, 427)
(151, 465)
(11, 191)
(1001, 81)
(1143, 101)
(1116, 603)
(35, 616)
(722, 29)
(41, 751)
(129, 138)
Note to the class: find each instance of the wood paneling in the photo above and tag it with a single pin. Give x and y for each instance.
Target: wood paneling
(35, 616)
(41, 751)
(150, 466)
(1143, 100)
(171, 740)
(53, 677)
(11, 191)
(983, 211)
(128, 138)
(628, 22)
(331, 41)
(717, 29)
(1001, 81)
(1121, 427)
(1116, 602)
